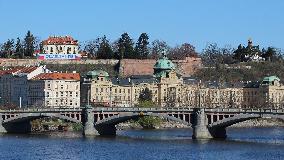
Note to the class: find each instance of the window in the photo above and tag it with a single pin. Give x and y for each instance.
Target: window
(48, 86)
(47, 94)
(97, 90)
(61, 94)
(56, 94)
(76, 94)
(71, 103)
(51, 49)
(70, 94)
(61, 86)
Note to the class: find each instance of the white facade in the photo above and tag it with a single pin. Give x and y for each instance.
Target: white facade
(60, 49)
(57, 93)
(60, 45)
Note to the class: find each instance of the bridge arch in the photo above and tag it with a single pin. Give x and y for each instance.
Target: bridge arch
(218, 129)
(226, 122)
(120, 118)
(32, 116)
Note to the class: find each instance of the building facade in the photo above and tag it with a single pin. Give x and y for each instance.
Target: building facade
(55, 90)
(169, 90)
(60, 45)
(14, 84)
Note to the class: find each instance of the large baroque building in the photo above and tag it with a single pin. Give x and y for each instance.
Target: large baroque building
(170, 90)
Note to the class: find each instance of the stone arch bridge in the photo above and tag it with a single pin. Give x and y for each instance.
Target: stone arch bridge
(206, 123)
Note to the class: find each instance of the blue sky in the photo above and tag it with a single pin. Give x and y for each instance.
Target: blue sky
(176, 21)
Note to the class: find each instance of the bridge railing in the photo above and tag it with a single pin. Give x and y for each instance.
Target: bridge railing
(135, 109)
(157, 109)
(239, 110)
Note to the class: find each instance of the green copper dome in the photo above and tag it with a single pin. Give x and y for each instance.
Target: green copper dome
(271, 78)
(97, 73)
(164, 63)
(162, 67)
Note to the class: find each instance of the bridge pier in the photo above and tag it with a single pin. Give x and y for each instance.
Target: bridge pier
(200, 125)
(2, 129)
(88, 123)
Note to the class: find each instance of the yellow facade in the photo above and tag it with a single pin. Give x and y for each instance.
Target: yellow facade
(169, 90)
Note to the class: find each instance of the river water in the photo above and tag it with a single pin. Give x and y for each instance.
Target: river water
(170, 144)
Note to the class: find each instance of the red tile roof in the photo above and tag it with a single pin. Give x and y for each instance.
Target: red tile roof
(18, 70)
(10, 71)
(27, 69)
(60, 40)
(57, 76)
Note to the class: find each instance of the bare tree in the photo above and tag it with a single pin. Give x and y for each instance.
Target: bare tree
(91, 47)
(158, 48)
(183, 51)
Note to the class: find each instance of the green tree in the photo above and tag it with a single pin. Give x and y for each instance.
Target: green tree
(7, 48)
(29, 44)
(141, 48)
(270, 54)
(104, 51)
(125, 47)
(145, 101)
(19, 50)
(239, 54)
(145, 95)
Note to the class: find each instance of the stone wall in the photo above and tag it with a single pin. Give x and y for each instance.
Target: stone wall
(136, 67)
(127, 66)
(145, 67)
(188, 66)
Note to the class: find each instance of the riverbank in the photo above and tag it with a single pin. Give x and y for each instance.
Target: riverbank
(259, 123)
(171, 124)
